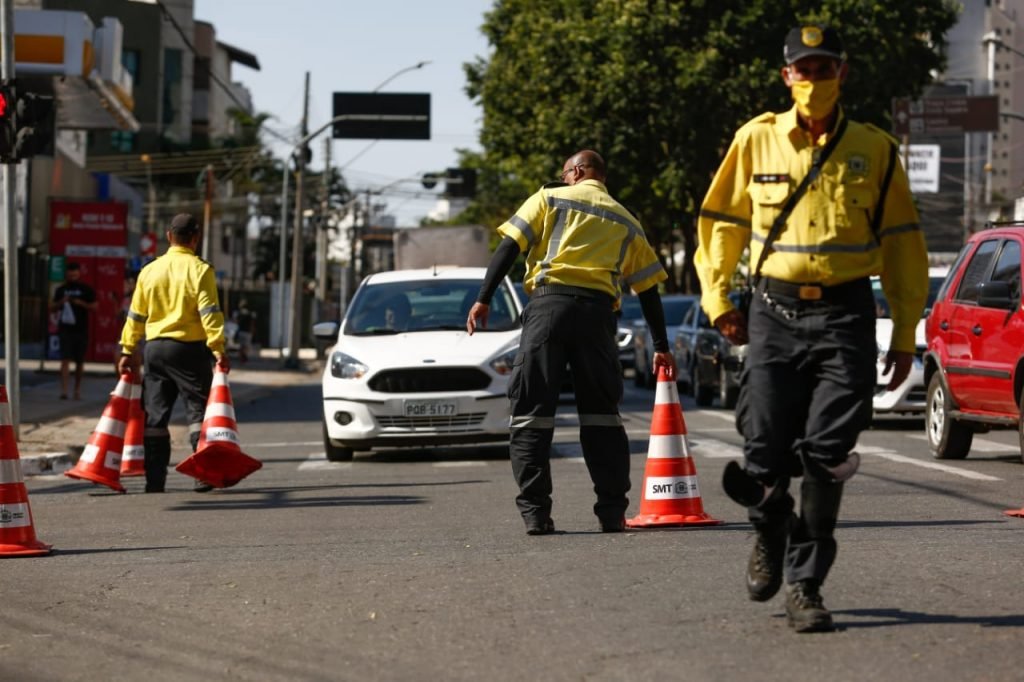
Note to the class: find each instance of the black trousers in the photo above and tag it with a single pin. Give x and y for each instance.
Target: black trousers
(173, 368)
(579, 331)
(805, 397)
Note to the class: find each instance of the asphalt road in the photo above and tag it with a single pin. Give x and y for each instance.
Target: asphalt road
(413, 565)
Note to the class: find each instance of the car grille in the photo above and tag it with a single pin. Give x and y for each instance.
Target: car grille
(446, 424)
(430, 379)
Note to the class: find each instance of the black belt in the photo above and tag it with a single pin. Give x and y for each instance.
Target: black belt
(566, 290)
(811, 291)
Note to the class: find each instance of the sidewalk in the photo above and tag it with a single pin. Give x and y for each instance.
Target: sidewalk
(53, 431)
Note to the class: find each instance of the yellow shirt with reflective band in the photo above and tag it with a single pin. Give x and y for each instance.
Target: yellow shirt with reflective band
(580, 236)
(827, 238)
(175, 298)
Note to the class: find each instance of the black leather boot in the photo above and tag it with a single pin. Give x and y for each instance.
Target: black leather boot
(805, 610)
(764, 569)
(158, 456)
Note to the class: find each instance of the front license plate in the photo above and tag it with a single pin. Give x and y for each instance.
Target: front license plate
(431, 408)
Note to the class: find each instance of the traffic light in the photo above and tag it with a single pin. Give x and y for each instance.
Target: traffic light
(34, 117)
(460, 182)
(8, 129)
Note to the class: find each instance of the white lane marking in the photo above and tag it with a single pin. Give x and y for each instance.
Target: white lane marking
(285, 445)
(712, 448)
(979, 444)
(903, 459)
(455, 465)
(318, 460)
(718, 414)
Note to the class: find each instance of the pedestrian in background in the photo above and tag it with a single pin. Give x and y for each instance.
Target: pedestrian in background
(175, 306)
(823, 203)
(72, 301)
(245, 319)
(581, 244)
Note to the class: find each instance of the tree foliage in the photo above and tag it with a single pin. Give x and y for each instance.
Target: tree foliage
(659, 86)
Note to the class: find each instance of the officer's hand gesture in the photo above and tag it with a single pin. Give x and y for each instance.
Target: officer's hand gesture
(733, 326)
(477, 314)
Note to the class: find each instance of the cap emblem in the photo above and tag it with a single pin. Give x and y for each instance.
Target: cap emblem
(811, 36)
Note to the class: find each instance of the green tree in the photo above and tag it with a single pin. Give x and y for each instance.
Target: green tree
(659, 86)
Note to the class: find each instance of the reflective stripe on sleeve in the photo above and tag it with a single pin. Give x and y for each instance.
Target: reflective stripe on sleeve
(644, 273)
(523, 227)
(136, 316)
(209, 310)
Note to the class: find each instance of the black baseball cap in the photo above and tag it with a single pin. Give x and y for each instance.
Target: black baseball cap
(184, 225)
(808, 41)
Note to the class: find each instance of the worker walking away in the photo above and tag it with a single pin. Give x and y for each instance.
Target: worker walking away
(581, 245)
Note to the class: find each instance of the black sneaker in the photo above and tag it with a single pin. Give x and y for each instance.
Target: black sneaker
(764, 569)
(202, 487)
(805, 611)
(545, 527)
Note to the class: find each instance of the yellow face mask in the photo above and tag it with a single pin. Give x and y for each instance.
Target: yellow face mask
(815, 99)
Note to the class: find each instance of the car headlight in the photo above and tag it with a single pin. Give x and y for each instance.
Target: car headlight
(503, 361)
(346, 367)
(624, 337)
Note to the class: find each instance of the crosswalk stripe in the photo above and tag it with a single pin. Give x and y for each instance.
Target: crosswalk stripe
(903, 459)
(977, 444)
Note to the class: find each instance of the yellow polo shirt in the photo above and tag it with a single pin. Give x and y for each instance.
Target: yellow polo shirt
(175, 298)
(827, 238)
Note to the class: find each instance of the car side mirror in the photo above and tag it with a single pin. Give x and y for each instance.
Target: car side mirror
(326, 331)
(996, 295)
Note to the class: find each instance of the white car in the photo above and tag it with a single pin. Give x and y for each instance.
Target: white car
(404, 371)
(909, 397)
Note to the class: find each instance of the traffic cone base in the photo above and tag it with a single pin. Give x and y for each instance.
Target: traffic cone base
(671, 494)
(101, 459)
(1015, 512)
(218, 459)
(17, 532)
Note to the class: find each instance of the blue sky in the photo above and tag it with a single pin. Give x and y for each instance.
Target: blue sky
(355, 46)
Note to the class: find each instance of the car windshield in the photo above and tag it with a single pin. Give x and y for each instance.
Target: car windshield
(882, 305)
(675, 309)
(425, 305)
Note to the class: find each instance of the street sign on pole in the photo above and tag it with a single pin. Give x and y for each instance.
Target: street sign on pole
(382, 116)
(945, 115)
(923, 168)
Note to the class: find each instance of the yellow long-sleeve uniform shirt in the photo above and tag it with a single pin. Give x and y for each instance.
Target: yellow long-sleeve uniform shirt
(580, 236)
(828, 237)
(175, 298)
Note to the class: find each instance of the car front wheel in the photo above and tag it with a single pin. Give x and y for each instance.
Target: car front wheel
(336, 453)
(948, 438)
(702, 393)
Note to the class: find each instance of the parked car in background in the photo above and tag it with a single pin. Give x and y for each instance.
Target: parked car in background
(709, 366)
(974, 365)
(909, 396)
(675, 307)
(404, 372)
(630, 315)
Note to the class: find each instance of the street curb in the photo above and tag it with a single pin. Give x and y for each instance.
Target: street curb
(46, 463)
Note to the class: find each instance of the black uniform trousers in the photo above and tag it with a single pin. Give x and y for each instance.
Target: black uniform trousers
(173, 368)
(805, 397)
(578, 330)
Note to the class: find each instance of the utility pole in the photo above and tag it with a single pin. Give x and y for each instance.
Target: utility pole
(322, 266)
(294, 311)
(11, 333)
(207, 214)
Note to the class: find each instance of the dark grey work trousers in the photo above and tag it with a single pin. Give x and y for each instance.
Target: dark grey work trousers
(805, 397)
(580, 331)
(173, 368)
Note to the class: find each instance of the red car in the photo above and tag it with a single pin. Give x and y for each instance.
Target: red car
(975, 331)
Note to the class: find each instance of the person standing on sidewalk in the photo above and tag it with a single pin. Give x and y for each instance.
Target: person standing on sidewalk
(175, 306)
(582, 245)
(73, 300)
(824, 204)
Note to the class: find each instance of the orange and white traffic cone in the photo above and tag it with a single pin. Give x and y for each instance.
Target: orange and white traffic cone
(101, 460)
(671, 496)
(17, 532)
(218, 459)
(1015, 512)
(133, 457)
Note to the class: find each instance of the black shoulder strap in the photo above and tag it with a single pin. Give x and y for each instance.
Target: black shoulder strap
(876, 220)
(790, 204)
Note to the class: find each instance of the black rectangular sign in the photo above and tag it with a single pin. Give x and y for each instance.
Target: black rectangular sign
(382, 116)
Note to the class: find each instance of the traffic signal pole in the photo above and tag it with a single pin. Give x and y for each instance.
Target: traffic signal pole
(295, 311)
(11, 337)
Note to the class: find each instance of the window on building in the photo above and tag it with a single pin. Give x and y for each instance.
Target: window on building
(172, 85)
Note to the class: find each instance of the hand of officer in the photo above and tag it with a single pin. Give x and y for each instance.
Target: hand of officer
(900, 362)
(223, 362)
(478, 313)
(666, 360)
(127, 364)
(733, 326)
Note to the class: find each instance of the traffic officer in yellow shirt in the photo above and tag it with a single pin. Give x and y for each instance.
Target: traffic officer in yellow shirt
(581, 246)
(839, 202)
(175, 306)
